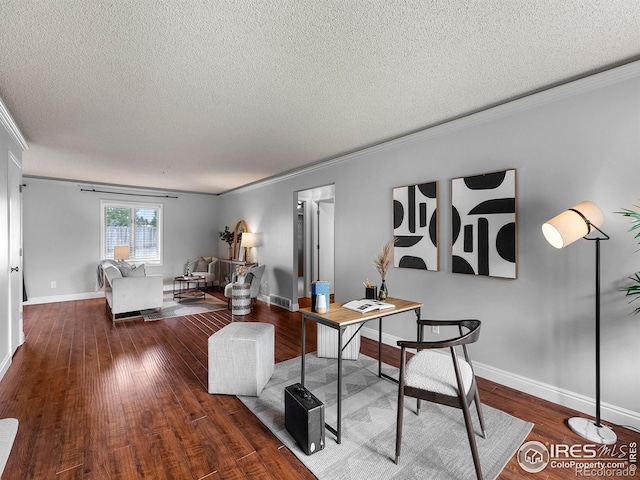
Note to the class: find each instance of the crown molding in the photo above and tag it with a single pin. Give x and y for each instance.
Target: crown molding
(10, 125)
(531, 100)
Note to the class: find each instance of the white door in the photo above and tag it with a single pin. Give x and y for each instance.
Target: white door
(15, 252)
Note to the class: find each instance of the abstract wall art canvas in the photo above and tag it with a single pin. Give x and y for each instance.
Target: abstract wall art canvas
(415, 226)
(484, 224)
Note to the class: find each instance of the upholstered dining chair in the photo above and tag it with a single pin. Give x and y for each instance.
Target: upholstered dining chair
(441, 378)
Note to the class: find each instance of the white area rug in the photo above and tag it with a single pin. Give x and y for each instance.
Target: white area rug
(434, 445)
(190, 306)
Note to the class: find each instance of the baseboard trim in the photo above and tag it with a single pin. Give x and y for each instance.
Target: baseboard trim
(63, 298)
(608, 412)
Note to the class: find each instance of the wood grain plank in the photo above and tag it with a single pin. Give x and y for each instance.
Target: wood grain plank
(225, 462)
(171, 455)
(122, 463)
(72, 430)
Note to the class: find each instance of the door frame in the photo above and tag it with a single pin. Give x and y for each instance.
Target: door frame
(14, 197)
(310, 197)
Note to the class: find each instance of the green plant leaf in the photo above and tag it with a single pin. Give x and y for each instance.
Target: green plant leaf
(634, 289)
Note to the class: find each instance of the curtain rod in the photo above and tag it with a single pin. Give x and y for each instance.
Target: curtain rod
(93, 190)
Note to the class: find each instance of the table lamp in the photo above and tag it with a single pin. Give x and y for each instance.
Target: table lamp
(249, 240)
(121, 252)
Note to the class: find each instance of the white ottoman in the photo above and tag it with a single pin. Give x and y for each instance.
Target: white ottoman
(241, 358)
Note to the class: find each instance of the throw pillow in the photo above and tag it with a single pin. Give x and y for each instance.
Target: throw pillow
(202, 265)
(191, 265)
(125, 268)
(132, 270)
(111, 272)
(138, 271)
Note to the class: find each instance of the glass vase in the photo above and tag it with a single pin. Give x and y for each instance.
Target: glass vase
(382, 295)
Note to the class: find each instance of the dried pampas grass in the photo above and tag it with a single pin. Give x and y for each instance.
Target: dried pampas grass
(383, 260)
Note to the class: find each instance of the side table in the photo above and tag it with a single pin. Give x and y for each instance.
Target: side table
(241, 299)
(187, 287)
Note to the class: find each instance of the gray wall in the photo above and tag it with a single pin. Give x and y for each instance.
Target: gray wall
(62, 236)
(572, 143)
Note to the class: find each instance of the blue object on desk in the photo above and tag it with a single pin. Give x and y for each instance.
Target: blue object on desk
(319, 288)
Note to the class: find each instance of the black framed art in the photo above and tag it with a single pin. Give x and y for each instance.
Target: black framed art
(484, 224)
(415, 226)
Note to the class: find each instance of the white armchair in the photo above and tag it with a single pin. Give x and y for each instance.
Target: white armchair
(253, 276)
(204, 267)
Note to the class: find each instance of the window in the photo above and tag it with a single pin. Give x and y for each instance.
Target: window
(137, 225)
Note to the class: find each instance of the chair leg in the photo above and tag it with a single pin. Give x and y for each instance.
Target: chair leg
(480, 416)
(472, 437)
(403, 361)
(399, 422)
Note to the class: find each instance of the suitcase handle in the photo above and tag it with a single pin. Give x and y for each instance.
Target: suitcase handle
(304, 393)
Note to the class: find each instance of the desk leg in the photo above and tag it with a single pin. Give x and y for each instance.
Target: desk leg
(380, 347)
(339, 429)
(419, 335)
(304, 342)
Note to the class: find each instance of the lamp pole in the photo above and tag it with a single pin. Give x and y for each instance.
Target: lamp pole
(598, 333)
(595, 431)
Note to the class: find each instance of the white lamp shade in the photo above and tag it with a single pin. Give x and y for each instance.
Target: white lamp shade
(249, 240)
(121, 252)
(569, 226)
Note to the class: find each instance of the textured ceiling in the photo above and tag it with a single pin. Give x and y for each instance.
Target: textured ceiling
(208, 96)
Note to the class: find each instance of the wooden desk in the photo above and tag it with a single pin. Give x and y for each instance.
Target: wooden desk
(340, 318)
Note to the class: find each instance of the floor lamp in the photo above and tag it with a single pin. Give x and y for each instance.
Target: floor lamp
(562, 230)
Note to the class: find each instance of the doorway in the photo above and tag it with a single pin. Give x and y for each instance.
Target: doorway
(315, 233)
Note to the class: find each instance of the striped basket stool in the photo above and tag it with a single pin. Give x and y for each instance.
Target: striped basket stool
(241, 299)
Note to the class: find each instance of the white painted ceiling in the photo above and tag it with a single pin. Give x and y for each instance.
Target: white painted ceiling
(207, 96)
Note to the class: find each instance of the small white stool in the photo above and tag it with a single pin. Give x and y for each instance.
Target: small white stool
(241, 299)
(8, 431)
(241, 358)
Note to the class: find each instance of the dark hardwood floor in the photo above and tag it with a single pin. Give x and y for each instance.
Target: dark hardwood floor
(129, 400)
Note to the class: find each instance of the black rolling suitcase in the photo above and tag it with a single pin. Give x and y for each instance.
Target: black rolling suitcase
(304, 418)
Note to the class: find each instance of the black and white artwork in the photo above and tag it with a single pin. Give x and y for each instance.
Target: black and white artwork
(484, 224)
(415, 226)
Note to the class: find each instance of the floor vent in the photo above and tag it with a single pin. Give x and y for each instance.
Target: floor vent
(280, 301)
